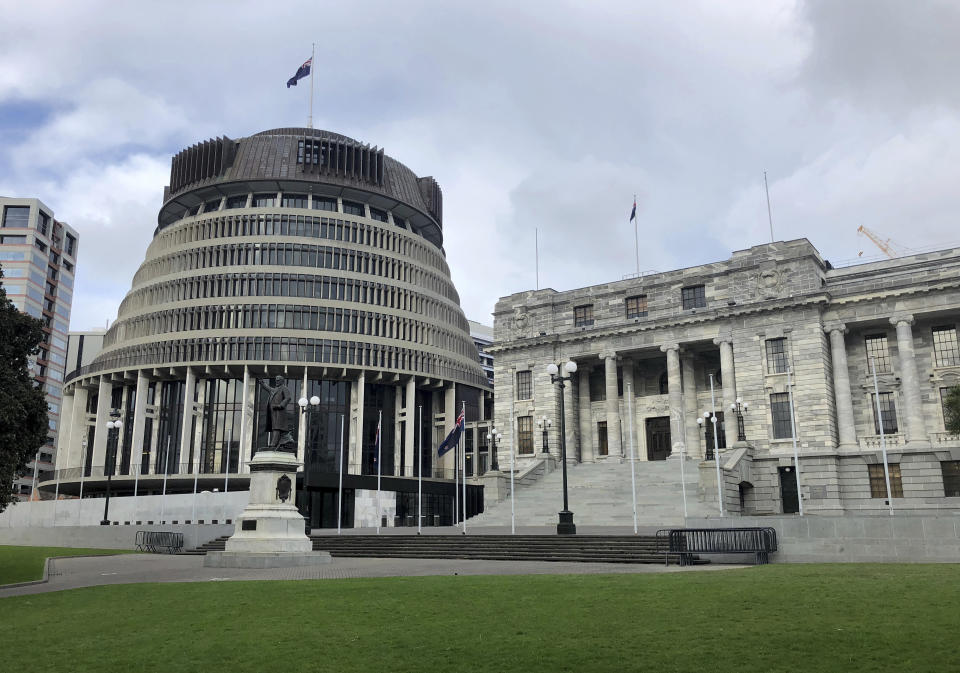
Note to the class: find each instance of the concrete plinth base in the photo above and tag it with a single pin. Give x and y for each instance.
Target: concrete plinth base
(230, 559)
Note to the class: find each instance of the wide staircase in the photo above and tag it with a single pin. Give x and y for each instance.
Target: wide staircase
(600, 495)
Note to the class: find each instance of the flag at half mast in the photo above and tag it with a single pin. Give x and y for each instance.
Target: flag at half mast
(453, 438)
(633, 213)
(302, 71)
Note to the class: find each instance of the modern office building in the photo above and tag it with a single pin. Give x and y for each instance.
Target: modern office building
(297, 253)
(482, 336)
(39, 256)
(773, 334)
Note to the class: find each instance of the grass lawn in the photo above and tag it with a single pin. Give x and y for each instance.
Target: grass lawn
(807, 618)
(25, 564)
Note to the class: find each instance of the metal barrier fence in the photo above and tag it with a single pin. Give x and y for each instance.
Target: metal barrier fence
(157, 542)
(689, 541)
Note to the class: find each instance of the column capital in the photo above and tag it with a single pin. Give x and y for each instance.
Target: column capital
(835, 326)
(607, 355)
(721, 339)
(666, 348)
(898, 318)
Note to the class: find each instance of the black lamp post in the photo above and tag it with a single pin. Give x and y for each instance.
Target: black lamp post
(544, 424)
(113, 433)
(565, 525)
(307, 409)
(494, 437)
(739, 407)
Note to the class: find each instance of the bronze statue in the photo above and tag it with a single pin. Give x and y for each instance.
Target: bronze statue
(278, 416)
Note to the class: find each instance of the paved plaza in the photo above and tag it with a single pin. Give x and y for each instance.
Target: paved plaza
(87, 571)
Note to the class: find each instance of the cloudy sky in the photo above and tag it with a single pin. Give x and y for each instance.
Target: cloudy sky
(547, 116)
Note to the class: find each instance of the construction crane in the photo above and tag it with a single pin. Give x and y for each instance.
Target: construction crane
(889, 248)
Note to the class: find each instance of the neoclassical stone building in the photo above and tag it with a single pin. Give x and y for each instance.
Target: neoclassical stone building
(768, 315)
(293, 252)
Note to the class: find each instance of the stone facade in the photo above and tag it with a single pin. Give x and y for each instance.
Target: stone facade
(769, 324)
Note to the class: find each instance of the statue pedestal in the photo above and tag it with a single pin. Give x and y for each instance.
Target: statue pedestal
(270, 532)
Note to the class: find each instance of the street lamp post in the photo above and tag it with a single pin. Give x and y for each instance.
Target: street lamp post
(565, 525)
(113, 432)
(493, 436)
(307, 409)
(545, 423)
(738, 408)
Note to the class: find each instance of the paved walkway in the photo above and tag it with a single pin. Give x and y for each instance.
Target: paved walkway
(73, 573)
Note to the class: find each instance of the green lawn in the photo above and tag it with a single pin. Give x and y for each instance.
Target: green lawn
(24, 564)
(805, 618)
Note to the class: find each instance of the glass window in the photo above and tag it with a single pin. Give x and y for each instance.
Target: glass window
(525, 434)
(944, 394)
(43, 223)
(602, 449)
(693, 296)
(780, 415)
(239, 201)
(583, 315)
(777, 362)
(294, 201)
(951, 478)
(324, 203)
(13, 239)
(351, 208)
(878, 480)
(71, 245)
(524, 385)
(214, 205)
(268, 200)
(598, 385)
(377, 214)
(945, 350)
(16, 216)
(877, 349)
(888, 410)
(637, 306)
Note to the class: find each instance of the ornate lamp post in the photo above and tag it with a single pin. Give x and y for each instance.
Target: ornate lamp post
(113, 432)
(307, 409)
(545, 423)
(738, 408)
(493, 436)
(565, 525)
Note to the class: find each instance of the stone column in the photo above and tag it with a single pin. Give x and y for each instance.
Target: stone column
(139, 421)
(186, 426)
(728, 374)
(691, 431)
(356, 424)
(570, 420)
(103, 415)
(674, 392)
(397, 466)
(586, 420)
(916, 428)
(846, 426)
(78, 427)
(409, 429)
(613, 404)
(247, 439)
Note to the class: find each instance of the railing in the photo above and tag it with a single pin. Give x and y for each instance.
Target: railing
(689, 541)
(944, 438)
(873, 441)
(157, 541)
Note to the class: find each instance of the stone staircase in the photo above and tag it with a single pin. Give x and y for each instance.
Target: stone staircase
(600, 495)
(217, 544)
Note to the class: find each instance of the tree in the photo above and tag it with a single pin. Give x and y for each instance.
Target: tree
(23, 406)
(951, 411)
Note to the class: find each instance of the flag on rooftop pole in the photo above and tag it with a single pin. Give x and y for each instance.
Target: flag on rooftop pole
(633, 213)
(451, 439)
(302, 72)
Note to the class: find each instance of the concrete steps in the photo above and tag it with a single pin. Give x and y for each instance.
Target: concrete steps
(218, 544)
(600, 495)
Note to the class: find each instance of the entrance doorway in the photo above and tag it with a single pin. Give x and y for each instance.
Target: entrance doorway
(788, 490)
(658, 438)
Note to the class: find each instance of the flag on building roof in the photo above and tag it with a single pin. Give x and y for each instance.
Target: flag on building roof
(453, 438)
(302, 71)
(633, 213)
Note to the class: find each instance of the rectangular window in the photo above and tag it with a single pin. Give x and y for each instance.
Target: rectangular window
(777, 362)
(264, 200)
(525, 434)
(524, 385)
(378, 215)
(351, 208)
(877, 349)
(693, 297)
(944, 394)
(951, 478)
(71, 245)
(583, 315)
(237, 202)
(43, 223)
(16, 216)
(13, 239)
(780, 415)
(637, 306)
(945, 350)
(602, 449)
(598, 385)
(878, 481)
(213, 205)
(294, 201)
(888, 410)
(323, 203)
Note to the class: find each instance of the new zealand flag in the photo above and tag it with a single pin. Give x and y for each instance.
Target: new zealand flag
(302, 71)
(453, 437)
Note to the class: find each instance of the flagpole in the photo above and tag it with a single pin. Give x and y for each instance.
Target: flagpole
(536, 253)
(463, 411)
(420, 473)
(340, 479)
(456, 482)
(379, 515)
(793, 432)
(636, 236)
(513, 465)
(633, 455)
(313, 46)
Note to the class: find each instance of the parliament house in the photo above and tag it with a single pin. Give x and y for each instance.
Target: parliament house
(293, 252)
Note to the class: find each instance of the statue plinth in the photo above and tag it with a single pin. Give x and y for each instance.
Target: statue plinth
(270, 531)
